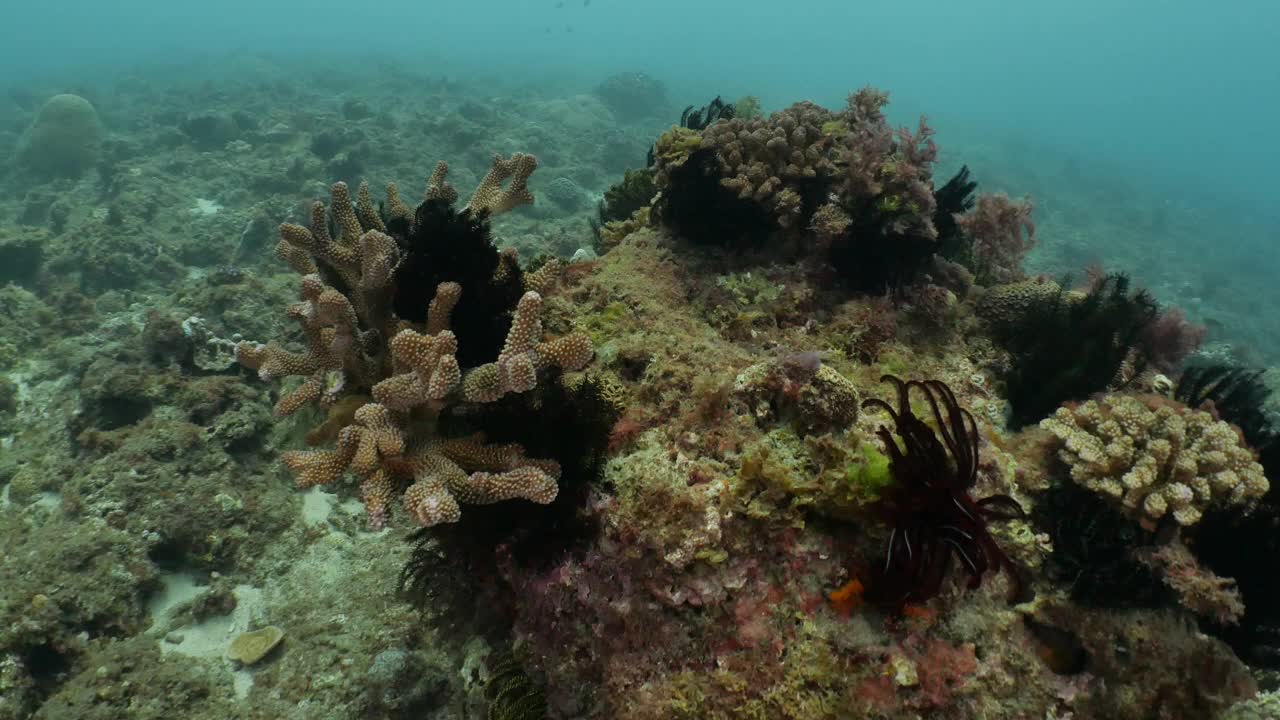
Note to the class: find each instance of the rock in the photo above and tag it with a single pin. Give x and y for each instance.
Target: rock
(632, 95)
(251, 647)
(64, 140)
(400, 681)
(799, 389)
(21, 253)
(210, 131)
(356, 110)
(566, 193)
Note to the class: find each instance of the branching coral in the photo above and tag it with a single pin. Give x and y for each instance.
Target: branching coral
(844, 189)
(779, 162)
(738, 179)
(361, 343)
(1156, 458)
(933, 517)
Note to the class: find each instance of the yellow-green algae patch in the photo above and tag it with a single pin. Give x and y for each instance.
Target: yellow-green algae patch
(250, 647)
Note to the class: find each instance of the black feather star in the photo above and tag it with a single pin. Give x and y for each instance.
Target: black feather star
(933, 518)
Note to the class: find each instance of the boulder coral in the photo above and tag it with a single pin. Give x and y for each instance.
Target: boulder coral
(63, 141)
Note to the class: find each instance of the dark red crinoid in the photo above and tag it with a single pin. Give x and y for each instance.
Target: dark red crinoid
(928, 506)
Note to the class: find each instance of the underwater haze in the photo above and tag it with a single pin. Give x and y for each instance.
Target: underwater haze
(622, 360)
(1170, 91)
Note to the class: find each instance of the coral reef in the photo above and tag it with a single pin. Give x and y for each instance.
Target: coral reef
(777, 163)
(1156, 458)
(775, 167)
(1197, 589)
(800, 389)
(728, 532)
(839, 188)
(417, 372)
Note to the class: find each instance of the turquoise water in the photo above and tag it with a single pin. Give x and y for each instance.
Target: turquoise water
(1157, 110)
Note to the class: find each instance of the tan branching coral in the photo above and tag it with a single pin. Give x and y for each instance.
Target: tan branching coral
(356, 348)
(523, 355)
(467, 471)
(1156, 457)
(491, 196)
(764, 159)
(808, 168)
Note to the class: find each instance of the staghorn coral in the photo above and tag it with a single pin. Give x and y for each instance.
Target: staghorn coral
(1156, 458)
(357, 343)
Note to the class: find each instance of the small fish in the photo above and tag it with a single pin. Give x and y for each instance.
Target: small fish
(560, 4)
(568, 28)
(586, 3)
